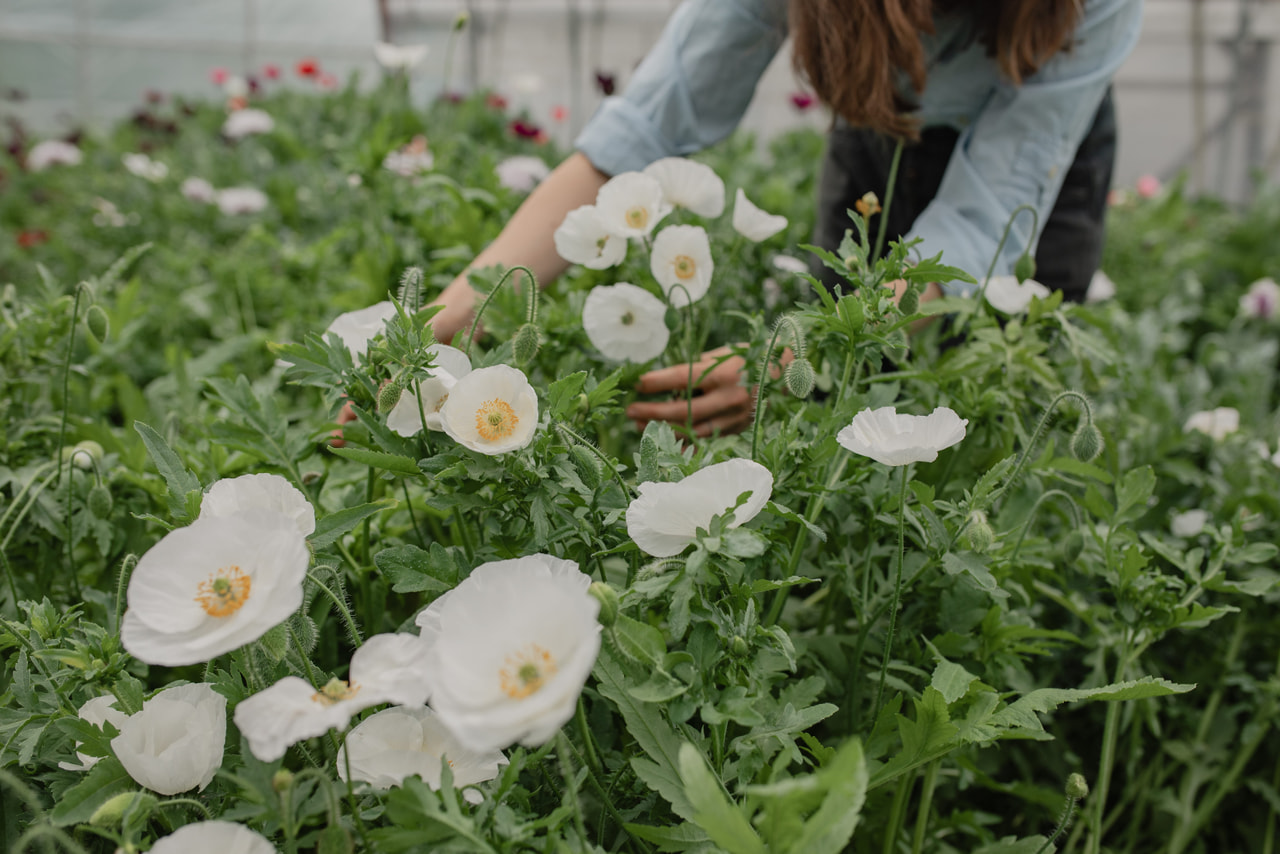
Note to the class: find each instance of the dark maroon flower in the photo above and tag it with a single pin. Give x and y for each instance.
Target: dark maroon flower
(74, 137)
(254, 86)
(451, 97)
(32, 237)
(801, 100)
(525, 130)
(154, 96)
(606, 82)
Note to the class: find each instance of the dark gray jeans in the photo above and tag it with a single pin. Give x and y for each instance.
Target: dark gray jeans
(1070, 249)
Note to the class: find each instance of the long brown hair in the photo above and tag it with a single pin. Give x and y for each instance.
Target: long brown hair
(852, 51)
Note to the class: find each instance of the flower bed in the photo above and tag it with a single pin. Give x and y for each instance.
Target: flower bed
(909, 606)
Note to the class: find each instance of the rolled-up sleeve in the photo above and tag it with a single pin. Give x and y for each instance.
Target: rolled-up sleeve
(693, 86)
(1018, 148)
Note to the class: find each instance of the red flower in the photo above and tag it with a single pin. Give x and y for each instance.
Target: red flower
(801, 100)
(271, 71)
(218, 75)
(605, 82)
(525, 130)
(32, 237)
(496, 101)
(559, 113)
(308, 67)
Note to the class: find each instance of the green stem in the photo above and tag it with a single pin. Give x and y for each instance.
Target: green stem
(343, 611)
(761, 383)
(926, 804)
(122, 587)
(896, 812)
(588, 743)
(1068, 810)
(605, 798)
(13, 584)
(1071, 502)
(1041, 426)
(533, 299)
(570, 788)
(1110, 732)
(62, 427)
(888, 200)
(816, 503)
(897, 590)
(605, 460)
(995, 259)
(1269, 836)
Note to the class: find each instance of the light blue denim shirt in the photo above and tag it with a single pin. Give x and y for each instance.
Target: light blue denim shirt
(1015, 146)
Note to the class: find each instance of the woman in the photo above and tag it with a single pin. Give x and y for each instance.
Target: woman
(1001, 103)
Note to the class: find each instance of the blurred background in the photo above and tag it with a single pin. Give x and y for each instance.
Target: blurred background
(1200, 95)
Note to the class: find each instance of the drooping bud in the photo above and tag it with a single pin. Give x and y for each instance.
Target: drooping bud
(1086, 442)
(97, 322)
(460, 22)
(979, 532)
(282, 780)
(524, 346)
(1077, 787)
(100, 502)
(389, 394)
(799, 377)
(112, 811)
(83, 455)
(1025, 268)
(608, 599)
(910, 301)
(1072, 545)
(585, 463)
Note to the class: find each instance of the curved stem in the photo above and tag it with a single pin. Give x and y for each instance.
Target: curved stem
(1068, 810)
(1071, 502)
(122, 585)
(897, 590)
(570, 788)
(991, 268)
(760, 387)
(926, 803)
(888, 200)
(475, 323)
(62, 430)
(1041, 426)
(338, 603)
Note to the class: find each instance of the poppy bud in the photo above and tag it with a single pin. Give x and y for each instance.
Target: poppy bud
(112, 811)
(910, 300)
(460, 22)
(799, 377)
(739, 646)
(608, 599)
(1086, 442)
(979, 532)
(1077, 787)
(100, 501)
(586, 465)
(97, 322)
(389, 394)
(1025, 268)
(282, 780)
(525, 344)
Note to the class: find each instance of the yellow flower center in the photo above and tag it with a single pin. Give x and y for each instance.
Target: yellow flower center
(495, 419)
(334, 691)
(526, 672)
(440, 402)
(224, 593)
(637, 217)
(685, 267)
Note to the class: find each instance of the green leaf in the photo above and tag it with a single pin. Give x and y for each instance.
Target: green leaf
(1135, 488)
(764, 585)
(713, 811)
(926, 738)
(178, 477)
(661, 770)
(951, 680)
(831, 827)
(792, 516)
(1022, 714)
(331, 527)
(681, 837)
(659, 688)
(975, 566)
(562, 395)
(1010, 845)
(103, 782)
(639, 641)
(378, 460)
(414, 570)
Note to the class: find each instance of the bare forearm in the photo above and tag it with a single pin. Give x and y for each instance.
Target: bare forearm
(526, 239)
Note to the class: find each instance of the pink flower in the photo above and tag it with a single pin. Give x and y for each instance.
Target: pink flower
(559, 113)
(1261, 300)
(271, 71)
(1148, 186)
(801, 100)
(218, 75)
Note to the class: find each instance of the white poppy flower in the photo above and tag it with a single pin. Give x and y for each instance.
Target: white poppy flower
(896, 440)
(405, 741)
(246, 122)
(493, 410)
(213, 837)
(1188, 524)
(626, 323)
(144, 167)
(199, 190)
(521, 173)
(358, 328)
(510, 649)
(681, 255)
(631, 204)
(395, 57)
(254, 492)
(1006, 294)
(405, 418)
(235, 87)
(665, 517)
(52, 152)
(175, 743)
(790, 264)
(98, 711)
(388, 668)
(1215, 423)
(752, 222)
(241, 200)
(1261, 300)
(1100, 288)
(214, 586)
(584, 239)
(689, 184)
(412, 159)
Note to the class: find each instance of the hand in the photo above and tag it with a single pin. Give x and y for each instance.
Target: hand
(722, 403)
